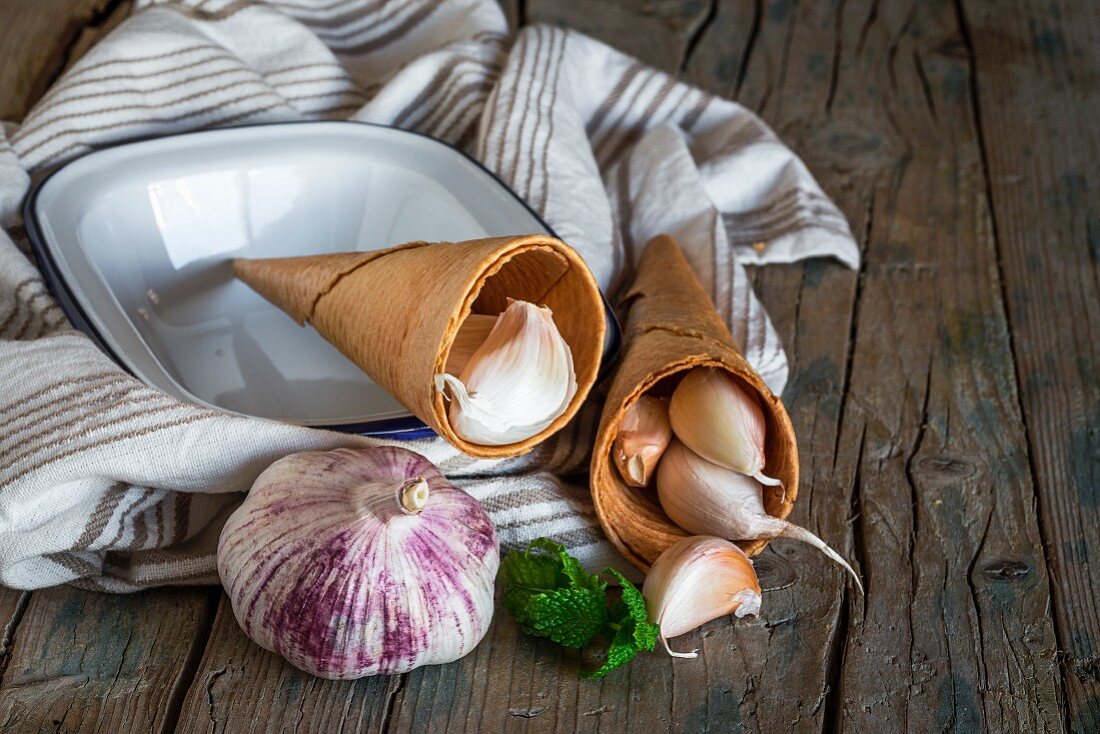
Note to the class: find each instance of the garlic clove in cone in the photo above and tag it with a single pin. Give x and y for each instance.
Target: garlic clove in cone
(643, 437)
(698, 579)
(471, 335)
(516, 383)
(721, 421)
(705, 498)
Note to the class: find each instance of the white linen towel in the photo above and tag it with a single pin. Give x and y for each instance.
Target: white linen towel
(112, 485)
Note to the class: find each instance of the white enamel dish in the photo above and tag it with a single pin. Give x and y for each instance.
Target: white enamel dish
(135, 242)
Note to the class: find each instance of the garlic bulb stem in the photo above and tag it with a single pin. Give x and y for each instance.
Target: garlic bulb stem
(413, 496)
(702, 497)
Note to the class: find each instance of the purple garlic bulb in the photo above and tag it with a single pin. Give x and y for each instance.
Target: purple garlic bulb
(351, 563)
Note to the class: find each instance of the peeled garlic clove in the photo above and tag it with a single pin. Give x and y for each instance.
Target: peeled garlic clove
(643, 437)
(516, 383)
(721, 421)
(696, 580)
(708, 499)
(471, 335)
(351, 563)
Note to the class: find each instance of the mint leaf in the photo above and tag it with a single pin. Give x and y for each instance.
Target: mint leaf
(621, 651)
(632, 606)
(549, 594)
(569, 617)
(570, 569)
(530, 571)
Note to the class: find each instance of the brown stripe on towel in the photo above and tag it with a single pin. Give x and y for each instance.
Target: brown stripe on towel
(567, 514)
(107, 402)
(101, 515)
(386, 39)
(461, 130)
(117, 438)
(121, 524)
(11, 415)
(497, 161)
(608, 103)
(30, 130)
(162, 120)
(73, 563)
(511, 175)
(79, 71)
(458, 91)
(550, 130)
(181, 517)
(692, 117)
(68, 85)
(629, 134)
(205, 77)
(542, 114)
(323, 24)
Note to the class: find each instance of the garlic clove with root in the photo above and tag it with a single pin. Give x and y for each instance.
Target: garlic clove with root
(516, 383)
(643, 437)
(698, 579)
(351, 563)
(705, 498)
(721, 421)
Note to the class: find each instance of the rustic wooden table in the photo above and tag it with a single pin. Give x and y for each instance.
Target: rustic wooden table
(945, 398)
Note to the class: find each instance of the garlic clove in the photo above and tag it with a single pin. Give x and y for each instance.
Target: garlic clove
(643, 437)
(471, 335)
(516, 383)
(698, 579)
(702, 497)
(721, 421)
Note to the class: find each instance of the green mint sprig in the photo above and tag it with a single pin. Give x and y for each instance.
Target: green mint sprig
(550, 594)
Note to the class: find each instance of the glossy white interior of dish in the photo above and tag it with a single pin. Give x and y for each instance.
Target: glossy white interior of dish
(143, 235)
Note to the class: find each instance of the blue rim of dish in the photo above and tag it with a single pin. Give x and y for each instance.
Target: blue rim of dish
(405, 428)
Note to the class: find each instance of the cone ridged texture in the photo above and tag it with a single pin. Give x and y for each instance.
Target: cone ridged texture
(395, 312)
(673, 327)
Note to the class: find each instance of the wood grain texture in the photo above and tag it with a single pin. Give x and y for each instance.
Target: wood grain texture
(945, 399)
(81, 661)
(659, 32)
(955, 630)
(240, 687)
(1037, 95)
(35, 43)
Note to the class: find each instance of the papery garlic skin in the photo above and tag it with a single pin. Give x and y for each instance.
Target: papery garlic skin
(698, 579)
(643, 436)
(702, 497)
(351, 563)
(518, 382)
(721, 421)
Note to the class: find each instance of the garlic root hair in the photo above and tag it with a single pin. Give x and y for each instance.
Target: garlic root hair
(800, 533)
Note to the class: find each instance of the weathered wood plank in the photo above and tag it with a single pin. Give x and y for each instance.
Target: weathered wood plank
(1038, 99)
(240, 687)
(82, 661)
(35, 42)
(955, 630)
(659, 32)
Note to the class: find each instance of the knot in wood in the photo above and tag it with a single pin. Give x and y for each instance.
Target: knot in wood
(947, 466)
(1005, 571)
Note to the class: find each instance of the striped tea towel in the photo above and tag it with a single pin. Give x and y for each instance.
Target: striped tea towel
(112, 485)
